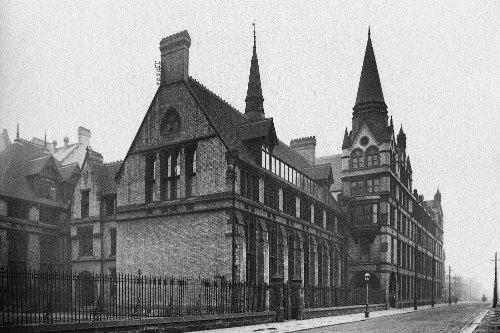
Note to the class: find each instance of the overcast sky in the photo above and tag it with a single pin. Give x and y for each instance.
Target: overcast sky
(92, 65)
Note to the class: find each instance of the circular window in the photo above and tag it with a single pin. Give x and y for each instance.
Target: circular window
(364, 141)
(170, 123)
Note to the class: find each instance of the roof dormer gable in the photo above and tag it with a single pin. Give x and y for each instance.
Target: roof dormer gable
(364, 139)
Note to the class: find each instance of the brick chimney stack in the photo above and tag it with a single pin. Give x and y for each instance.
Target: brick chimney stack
(305, 147)
(175, 57)
(84, 136)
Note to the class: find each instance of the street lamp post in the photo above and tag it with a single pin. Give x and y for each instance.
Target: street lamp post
(367, 278)
(495, 285)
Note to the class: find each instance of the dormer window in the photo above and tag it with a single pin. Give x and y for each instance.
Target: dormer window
(372, 157)
(170, 122)
(357, 159)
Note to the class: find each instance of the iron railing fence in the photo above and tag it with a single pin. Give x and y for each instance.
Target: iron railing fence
(323, 297)
(30, 296)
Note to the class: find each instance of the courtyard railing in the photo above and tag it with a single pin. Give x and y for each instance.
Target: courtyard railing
(30, 296)
(323, 297)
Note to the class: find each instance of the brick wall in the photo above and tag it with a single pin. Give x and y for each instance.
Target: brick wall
(179, 245)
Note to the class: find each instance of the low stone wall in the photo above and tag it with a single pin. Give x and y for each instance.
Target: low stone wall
(168, 324)
(309, 313)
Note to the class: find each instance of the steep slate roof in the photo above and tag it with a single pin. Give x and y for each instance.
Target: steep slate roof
(22, 159)
(369, 89)
(106, 175)
(227, 121)
(69, 170)
(335, 161)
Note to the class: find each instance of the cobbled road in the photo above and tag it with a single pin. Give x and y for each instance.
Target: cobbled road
(444, 319)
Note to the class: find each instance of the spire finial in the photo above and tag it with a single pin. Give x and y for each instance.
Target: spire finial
(45, 139)
(369, 33)
(254, 100)
(254, 37)
(17, 132)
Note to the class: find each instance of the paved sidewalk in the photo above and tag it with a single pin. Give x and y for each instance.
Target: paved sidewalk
(490, 322)
(297, 325)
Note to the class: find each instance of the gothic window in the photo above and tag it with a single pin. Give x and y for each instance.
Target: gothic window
(358, 187)
(85, 203)
(112, 245)
(291, 257)
(372, 156)
(249, 185)
(289, 205)
(357, 159)
(273, 250)
(306, 262)
(170, 175)
(365, 250)
(305, 210)
(190, 170)
(318, 216)
(251, 255)
(108, 204)
(170, 122)
(85, 241)
(18, 248)
(271, 194)
(150, 177)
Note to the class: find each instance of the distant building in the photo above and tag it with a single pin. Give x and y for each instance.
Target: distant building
(393, 231)
(37, 180)
(93, 221)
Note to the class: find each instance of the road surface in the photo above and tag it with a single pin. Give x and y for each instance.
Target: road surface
(445, 319)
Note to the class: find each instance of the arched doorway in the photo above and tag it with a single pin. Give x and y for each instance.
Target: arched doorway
(85, 288)
(392, 290)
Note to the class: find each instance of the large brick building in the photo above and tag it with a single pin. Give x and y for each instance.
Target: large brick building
(206, 190)
(394, 234)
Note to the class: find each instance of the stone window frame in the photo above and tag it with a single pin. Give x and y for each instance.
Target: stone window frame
(170, 122)
(357, 159)
(85, 236)
(372, 157)
(85, 203)
(170, 174)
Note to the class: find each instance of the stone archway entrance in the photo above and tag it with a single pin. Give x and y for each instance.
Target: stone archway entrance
(392, 290)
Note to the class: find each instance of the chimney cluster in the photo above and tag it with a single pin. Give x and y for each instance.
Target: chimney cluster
(305, 147)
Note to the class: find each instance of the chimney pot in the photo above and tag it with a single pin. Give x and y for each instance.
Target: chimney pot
(66, 142)
(175, 57)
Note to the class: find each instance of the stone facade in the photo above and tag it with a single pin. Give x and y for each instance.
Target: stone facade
(395, 236)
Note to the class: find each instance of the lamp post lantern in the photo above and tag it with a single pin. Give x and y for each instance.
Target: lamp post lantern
(367, 278)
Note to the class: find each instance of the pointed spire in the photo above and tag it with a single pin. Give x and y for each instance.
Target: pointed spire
(369, 89)
(45, 140)
(391, 125)
(254, 100)
(401, 138)
(347, 142)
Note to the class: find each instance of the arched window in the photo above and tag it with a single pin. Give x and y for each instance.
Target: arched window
(170, 122)
(357, 159)
(372, 156)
